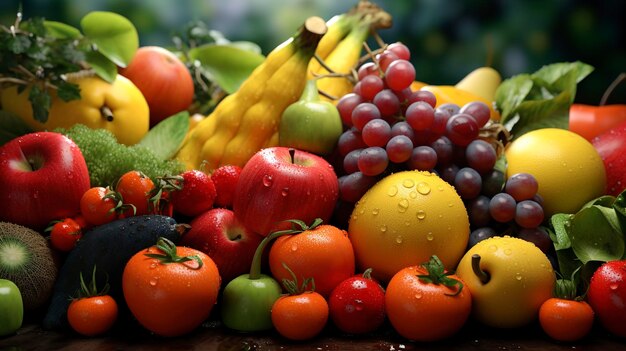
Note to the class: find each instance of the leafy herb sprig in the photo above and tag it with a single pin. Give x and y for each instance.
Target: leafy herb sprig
(45, 55)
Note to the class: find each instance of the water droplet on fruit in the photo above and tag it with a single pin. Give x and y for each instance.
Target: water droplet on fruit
(493, 248)
(359, 305)
(613, 286)
(284, 192)
(308, 192)
(36, 194)
(294, 247)
(383, 228)
(399, 239)
(375, 212)
(268, 180)
(564, 164)
(421, 214)
(407, 223)
(507, 252)
(440, 188)
(408, 183)
(418, 295)
(349, 308)
(392, 191)
(403, 205)
(518, 277)
(153, 265)
(430, 236)
(153, 281)
(423, 188)
(413, 195)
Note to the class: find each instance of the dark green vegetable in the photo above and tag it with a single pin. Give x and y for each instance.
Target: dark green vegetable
(107, 247)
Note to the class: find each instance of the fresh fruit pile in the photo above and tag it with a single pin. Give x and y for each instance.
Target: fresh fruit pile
(326, 185)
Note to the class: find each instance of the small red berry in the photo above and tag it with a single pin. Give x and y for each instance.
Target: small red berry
(225, 179)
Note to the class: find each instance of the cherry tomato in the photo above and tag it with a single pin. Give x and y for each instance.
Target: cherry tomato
(65, 234)
(424, 303)
(357, 304)
(99, 205)
(135, 189)
(566, 320)
(196, 195)
(92, 313)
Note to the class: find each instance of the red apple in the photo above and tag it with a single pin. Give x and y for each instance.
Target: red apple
(278, 184)
(611, 146)
(607, 294)
(220, 235)
(163, 79)
(43, 176)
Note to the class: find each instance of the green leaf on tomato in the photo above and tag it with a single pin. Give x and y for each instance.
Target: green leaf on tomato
(165, 138)
(229, 64)
(594, 236)
(531, 101)
(113, 34)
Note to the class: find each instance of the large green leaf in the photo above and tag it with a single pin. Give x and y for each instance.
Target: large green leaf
(61, 30)
(114, 35)
(594, 236)
(104, 68)
(165, 138)
(229, 64)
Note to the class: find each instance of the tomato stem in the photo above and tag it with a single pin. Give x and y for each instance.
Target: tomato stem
(291, 285)
(436, 274)
(483, 276)
(169, 254)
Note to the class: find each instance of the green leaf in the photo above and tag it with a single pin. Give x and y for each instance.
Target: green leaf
(538, 114)
(228, 64)
(19, 44)
(561, 224)
(620, 208)
(594, 237)
(40, 101)
(11, 127)
(558, 75)
(104, 67)
(114, 35)
(61, 30)
(68, 91)
(165, 138)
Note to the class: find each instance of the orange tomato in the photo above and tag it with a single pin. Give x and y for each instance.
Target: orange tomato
(135, 189)
(424, 309)
(91, 316)
(566, 320)
(99, 205)
(300, 317)
(323, 253)
(170, 290)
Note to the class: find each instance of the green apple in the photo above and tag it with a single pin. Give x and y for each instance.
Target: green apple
(310, 124)
(11, 308)
(509, 278)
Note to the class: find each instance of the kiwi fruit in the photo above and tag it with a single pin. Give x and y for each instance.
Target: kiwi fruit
(27, 260)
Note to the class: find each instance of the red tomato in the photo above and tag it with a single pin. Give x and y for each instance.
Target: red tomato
(301, 316)
(607, 296)
(91, 316)
(566, 320)
(424, 303)
(99, 205)
(590, 121)
(357, 304)
(65, 234)
(135, 189)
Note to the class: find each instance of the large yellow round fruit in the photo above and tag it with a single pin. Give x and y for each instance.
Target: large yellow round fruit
(406, 218)
(520, 279)
(567, 167)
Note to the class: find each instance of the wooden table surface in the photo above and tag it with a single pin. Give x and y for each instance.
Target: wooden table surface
(211, 336)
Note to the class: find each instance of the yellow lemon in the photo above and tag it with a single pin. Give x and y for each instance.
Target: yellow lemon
(567, 167)
(406, 218)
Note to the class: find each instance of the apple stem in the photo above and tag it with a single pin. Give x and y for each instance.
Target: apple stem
(292, 154)
(107, 113)
(482, 275)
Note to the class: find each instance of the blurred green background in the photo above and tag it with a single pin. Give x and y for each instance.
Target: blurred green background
(447, 38)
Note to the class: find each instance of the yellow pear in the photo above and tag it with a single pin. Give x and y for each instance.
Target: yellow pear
(482, 81)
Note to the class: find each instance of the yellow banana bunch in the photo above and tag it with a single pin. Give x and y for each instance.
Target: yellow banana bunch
(248, 120)
(341, 47)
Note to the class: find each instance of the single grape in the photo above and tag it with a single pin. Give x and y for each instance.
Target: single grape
(387, 102)
(467, 183)
(376, 132)
(481, 156)
(479, 110)
(528, 214)
(420, 116)
(444, 148)
(451, 108)
(439, 122)
(493, 183)
(370, 86)
(522, 186)
(353, 186)
(368, 68)
(402, 128)
(385, 58)
(350, 140)
(423, 158)
(448, 173)
(424, 96)
(351, 161)
(401, 50)
(399, 148)
(399, 75)
(461, 129)
(537, 236)
(480, 234)
(373, 161)
(478, 211)
(502, 207)
(346, 105)
(364, 113)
